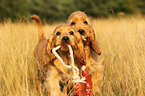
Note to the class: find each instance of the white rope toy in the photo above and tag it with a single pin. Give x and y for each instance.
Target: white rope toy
(76, 77)
(59, 58)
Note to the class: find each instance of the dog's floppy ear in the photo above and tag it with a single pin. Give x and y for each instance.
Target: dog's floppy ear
(79, 52)
(94, 42)
(50, 44)
(49, 47)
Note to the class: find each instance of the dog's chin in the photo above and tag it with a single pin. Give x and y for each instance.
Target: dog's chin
(64, 48)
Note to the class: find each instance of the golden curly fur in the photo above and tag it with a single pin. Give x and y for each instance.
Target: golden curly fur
(48, 65)
(80, 21)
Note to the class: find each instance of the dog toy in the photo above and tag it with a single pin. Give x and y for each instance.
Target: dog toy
(59, 58)
(88, 84)
(79, 90)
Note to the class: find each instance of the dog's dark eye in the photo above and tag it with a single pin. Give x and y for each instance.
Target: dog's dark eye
(85, 22)
(58, 33)
(71, 33)
(72, 23)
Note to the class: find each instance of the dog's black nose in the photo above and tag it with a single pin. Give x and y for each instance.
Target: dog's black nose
(65, 39)
(81, 31)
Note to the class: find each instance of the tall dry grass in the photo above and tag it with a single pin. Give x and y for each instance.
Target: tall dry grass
(123, 44)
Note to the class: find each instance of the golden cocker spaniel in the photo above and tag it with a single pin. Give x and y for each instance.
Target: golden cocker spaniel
(94, 58)
(48, 65)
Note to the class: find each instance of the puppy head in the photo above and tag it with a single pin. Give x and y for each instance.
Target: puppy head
(65, 35)
(80, 21)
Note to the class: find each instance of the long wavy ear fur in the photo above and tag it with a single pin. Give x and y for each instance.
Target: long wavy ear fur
(40, 29)
(94, 43)
(79, 52)
(50, 45)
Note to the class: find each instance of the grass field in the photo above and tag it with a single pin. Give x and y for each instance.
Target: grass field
(123, 44)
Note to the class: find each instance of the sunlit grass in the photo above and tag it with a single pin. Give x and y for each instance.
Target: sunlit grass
(123, 44)
(124, 50)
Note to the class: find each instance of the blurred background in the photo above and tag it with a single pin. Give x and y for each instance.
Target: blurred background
(59, 10)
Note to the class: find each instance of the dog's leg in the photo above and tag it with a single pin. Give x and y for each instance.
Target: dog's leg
(96, 81)
(97, 76)
(52, 84)
(95, 68)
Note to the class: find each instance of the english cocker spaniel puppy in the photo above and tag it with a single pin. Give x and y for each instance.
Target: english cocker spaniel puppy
(94, 58)
(49, 67)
